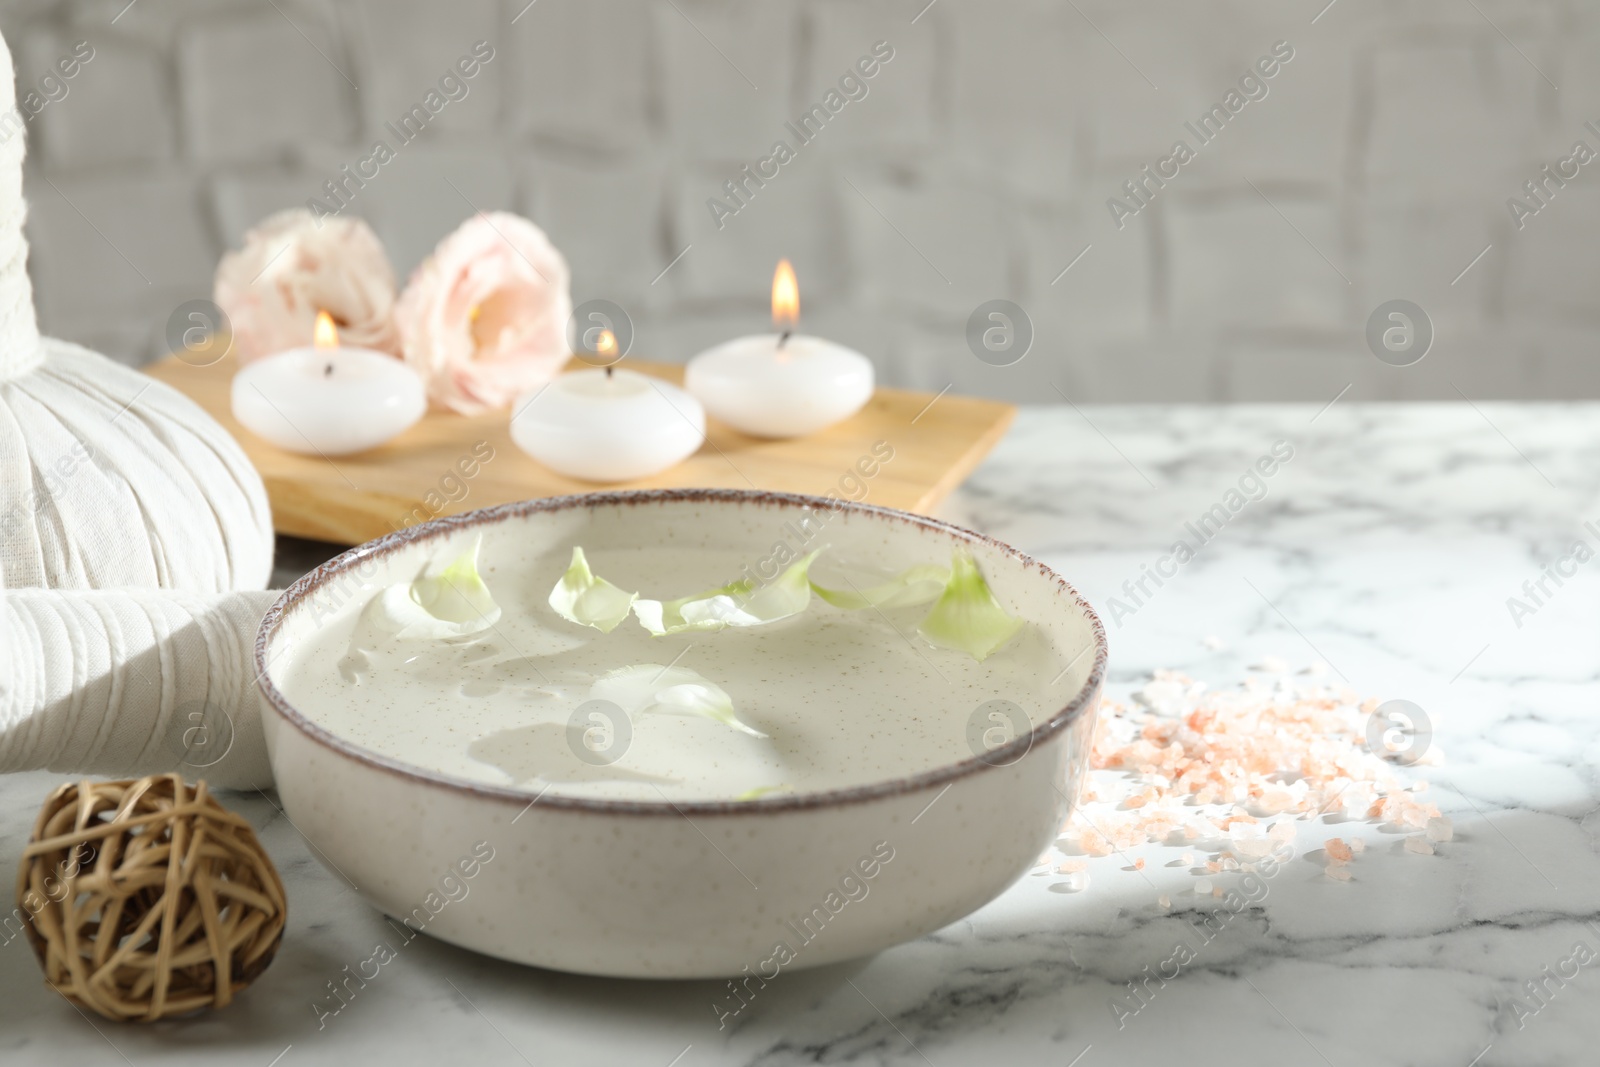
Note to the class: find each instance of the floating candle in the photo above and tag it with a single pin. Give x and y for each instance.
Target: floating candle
(610, 425)
(328, 400)
(783, 384)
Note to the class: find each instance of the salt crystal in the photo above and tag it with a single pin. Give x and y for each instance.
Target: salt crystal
(1165, 902)
(1161, 696)
(1213, 642)
(1071, 867)
(1419, 846)
(1338, 874)
(1358, 845)
(1440, 829)
(1270, 665)
(1281, 831)
(1187, 859)
(1316, 668)
(1094, 844)
(1138, 864)
(1275, 799)
(1249, 841)
(1202, 886)
(1337, 850)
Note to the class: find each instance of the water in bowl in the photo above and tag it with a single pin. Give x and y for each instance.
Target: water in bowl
(845, 698)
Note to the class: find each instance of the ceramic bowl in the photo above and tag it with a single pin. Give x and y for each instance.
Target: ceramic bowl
(689, 889)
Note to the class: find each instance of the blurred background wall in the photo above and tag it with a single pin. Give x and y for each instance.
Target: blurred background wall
(1378, 165)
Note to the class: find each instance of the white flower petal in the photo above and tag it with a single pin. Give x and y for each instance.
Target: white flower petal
(582, 598)
(921, 584)
(445, 602)
(967, 617)
(740, 603)
(647, 687)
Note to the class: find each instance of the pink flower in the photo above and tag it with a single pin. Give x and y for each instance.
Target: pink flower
(293, 266)
(484, 318)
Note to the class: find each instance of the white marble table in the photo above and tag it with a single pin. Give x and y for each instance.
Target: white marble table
(1388, 547)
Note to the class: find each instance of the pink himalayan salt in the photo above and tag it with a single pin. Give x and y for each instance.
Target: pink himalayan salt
(1337, 850)
(1440, 829)
(1337, 873)
(1250, 842)
(1263, 748)
(1419, 845)
(1203, 747)
(1275, 799)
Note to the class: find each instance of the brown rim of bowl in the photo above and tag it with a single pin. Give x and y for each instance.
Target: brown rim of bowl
(1004, 756)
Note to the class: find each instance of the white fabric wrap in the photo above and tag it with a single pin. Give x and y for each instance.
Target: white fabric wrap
(110, 478)
(20, 351)
(135, 538)
(119, 681)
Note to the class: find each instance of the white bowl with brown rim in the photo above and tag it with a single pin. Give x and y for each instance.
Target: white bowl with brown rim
(914, 801)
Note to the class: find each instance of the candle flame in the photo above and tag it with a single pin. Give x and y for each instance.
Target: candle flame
(605, 344)
(326, 334)
(785, 297)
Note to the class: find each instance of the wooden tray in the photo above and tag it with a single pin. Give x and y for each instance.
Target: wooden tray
(937, 441)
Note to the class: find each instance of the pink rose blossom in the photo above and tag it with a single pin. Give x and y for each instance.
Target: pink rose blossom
(293, 266)
(484, 318)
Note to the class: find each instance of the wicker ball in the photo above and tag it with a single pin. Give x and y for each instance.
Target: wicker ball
(146, 899)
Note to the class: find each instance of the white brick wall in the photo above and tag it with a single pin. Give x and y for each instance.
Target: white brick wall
(254, 89)
(988, 146)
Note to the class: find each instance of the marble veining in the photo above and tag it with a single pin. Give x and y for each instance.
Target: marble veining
(1387, 547)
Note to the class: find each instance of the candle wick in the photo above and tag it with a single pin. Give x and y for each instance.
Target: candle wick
(327, 371)
(783, 338)
(608, 372)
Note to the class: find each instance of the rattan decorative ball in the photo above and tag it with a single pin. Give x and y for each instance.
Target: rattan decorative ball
(146, 899)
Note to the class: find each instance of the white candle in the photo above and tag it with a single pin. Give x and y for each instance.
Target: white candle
(328, 400)
(782, 384)
(608, 425)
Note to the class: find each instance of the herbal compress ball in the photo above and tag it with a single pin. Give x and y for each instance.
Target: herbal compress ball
(135, 542)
